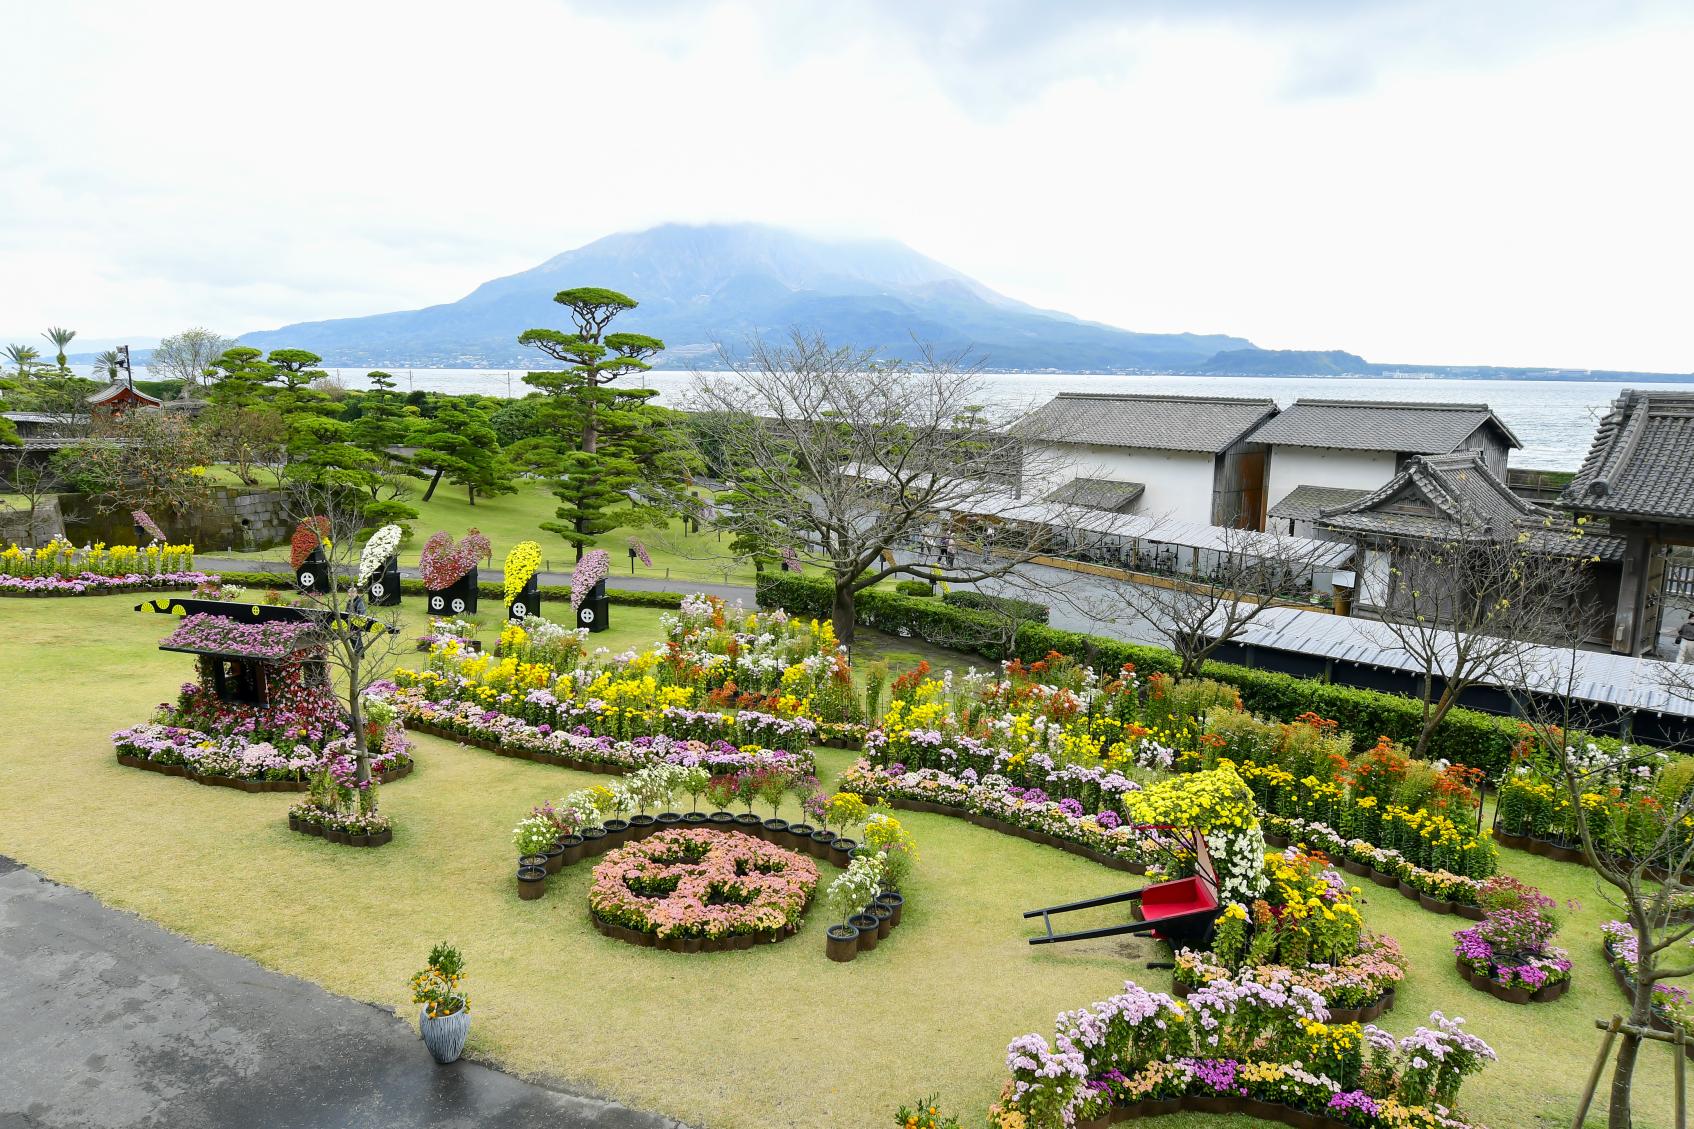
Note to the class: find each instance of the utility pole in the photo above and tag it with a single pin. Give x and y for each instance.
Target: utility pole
(123, 363)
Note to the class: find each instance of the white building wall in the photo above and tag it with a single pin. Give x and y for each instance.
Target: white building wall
(1325, 466)
(1179, 483)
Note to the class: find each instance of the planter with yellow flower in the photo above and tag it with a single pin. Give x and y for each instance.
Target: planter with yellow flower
(523, 566)
(444, 1018)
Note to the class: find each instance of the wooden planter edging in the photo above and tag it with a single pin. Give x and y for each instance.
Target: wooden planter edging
(1433, 905)
(1252, 1107)
(1383, 1005)
(318, 830)
(241, 784)
(1654, 1020)
(788, 840)
(1545, 994)
(1013, 829)
(1558, 852)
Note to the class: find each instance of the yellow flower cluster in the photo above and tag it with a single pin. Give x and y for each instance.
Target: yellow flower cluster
(60, 558)
(523, 562)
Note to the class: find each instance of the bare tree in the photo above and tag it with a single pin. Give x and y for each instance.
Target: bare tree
(248, 439)
(1465, 608)
(1215, 600)
(1646, 878)
(849, 459)
(361, 642)
(187, 356)
(32, 481)
(149, 460)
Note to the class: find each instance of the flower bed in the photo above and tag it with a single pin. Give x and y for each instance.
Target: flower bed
(95, 584)
(698, 890)
(1231, 1043)
(1438, 891)
(1357, 987)
(256, 747)
(999, 805)
(1511, 954)
(514, 737)
(1627, 795)
(351, 828)
(1672, 1005)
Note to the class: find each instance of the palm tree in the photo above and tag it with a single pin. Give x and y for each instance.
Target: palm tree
(106, 364)
(60, 338)
(24, 356)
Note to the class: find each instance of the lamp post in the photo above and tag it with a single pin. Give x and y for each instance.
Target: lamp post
(123, 363)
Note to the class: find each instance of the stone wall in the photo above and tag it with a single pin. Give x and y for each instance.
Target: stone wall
(17, 527)
(233, 518)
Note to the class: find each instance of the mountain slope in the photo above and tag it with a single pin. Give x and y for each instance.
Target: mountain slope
(727, 282)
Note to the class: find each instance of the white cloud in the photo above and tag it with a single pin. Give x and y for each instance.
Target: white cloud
(1435, 181)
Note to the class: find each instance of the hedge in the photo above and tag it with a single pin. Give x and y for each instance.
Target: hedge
(1000, 605)
(1466, 736)
(487, 590)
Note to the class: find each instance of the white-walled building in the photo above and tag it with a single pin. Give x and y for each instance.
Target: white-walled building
(1185, 458)
(1325, 453)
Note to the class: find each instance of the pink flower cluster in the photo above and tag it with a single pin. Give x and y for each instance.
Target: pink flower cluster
(221, 635)
(90, 583)
(443, 563)
(594, 567)
(699, 883)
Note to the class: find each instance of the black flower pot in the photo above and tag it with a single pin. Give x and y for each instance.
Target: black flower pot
(842, 942)
(668, 819)
(841, 852)
(799, 836)
(895, 901)
(722, 820)
(694, 818)
(532, 860)
(617, 832)
(573, 845)
(593, 840)
(293, 822)
(532, 882)
(884, 917)
(749, 824)
(641, 826)
(555, 857)
(818, 847)
(867, 926)
(776, 830)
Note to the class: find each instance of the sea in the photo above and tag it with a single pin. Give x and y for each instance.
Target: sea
(1554, 420)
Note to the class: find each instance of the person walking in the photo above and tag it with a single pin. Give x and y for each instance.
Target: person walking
(1685, 641)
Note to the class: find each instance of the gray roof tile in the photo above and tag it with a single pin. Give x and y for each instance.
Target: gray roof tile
(1172, 423)
(1642, 461)
(1408, 427)
(1304, 502)
(1098, 494)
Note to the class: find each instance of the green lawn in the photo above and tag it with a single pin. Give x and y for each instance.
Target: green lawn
(510, 518)
(794, 1039)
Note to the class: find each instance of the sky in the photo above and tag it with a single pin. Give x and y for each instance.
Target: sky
(1440, 181)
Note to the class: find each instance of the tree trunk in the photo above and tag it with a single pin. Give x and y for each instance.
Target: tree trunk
(841, 613)
(470, 492)
(433, 483)
(1623, 1075)
(1433, 718)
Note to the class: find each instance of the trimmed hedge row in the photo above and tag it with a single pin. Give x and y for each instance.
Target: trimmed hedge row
(999, 605)
(1466, 736)
(487, 590)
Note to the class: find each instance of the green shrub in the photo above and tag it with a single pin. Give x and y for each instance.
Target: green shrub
(915, 588)
(1007, 606)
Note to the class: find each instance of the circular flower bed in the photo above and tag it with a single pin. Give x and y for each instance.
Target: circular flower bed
(694, 890)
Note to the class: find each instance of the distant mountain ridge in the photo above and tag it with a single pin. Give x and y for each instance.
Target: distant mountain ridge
(727, 282)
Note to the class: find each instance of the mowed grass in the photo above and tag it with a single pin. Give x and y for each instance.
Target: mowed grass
(510, 518)
(775, 1036)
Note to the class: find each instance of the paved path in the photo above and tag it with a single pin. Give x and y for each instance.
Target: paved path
(730, 592)
(112, 1022)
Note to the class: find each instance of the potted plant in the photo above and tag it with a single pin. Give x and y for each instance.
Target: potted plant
(644, 789)
(773, 786)
(693, 780)
(720, 793)
(614, 801)
(669, 784)
(747, 790)
(802, 786)
(816, 806)
(845, 810)
(444, 1018)
(533, 835)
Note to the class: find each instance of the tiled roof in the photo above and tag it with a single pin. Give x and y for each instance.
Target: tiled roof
(118, 386)
(1098, 494)
(1437, 497)
(1407, 427)
(1642, 460)
(1303, 502)
(1170, 423)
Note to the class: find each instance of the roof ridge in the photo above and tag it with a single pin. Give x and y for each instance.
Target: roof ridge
(1432, 405)
(1179, 396)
